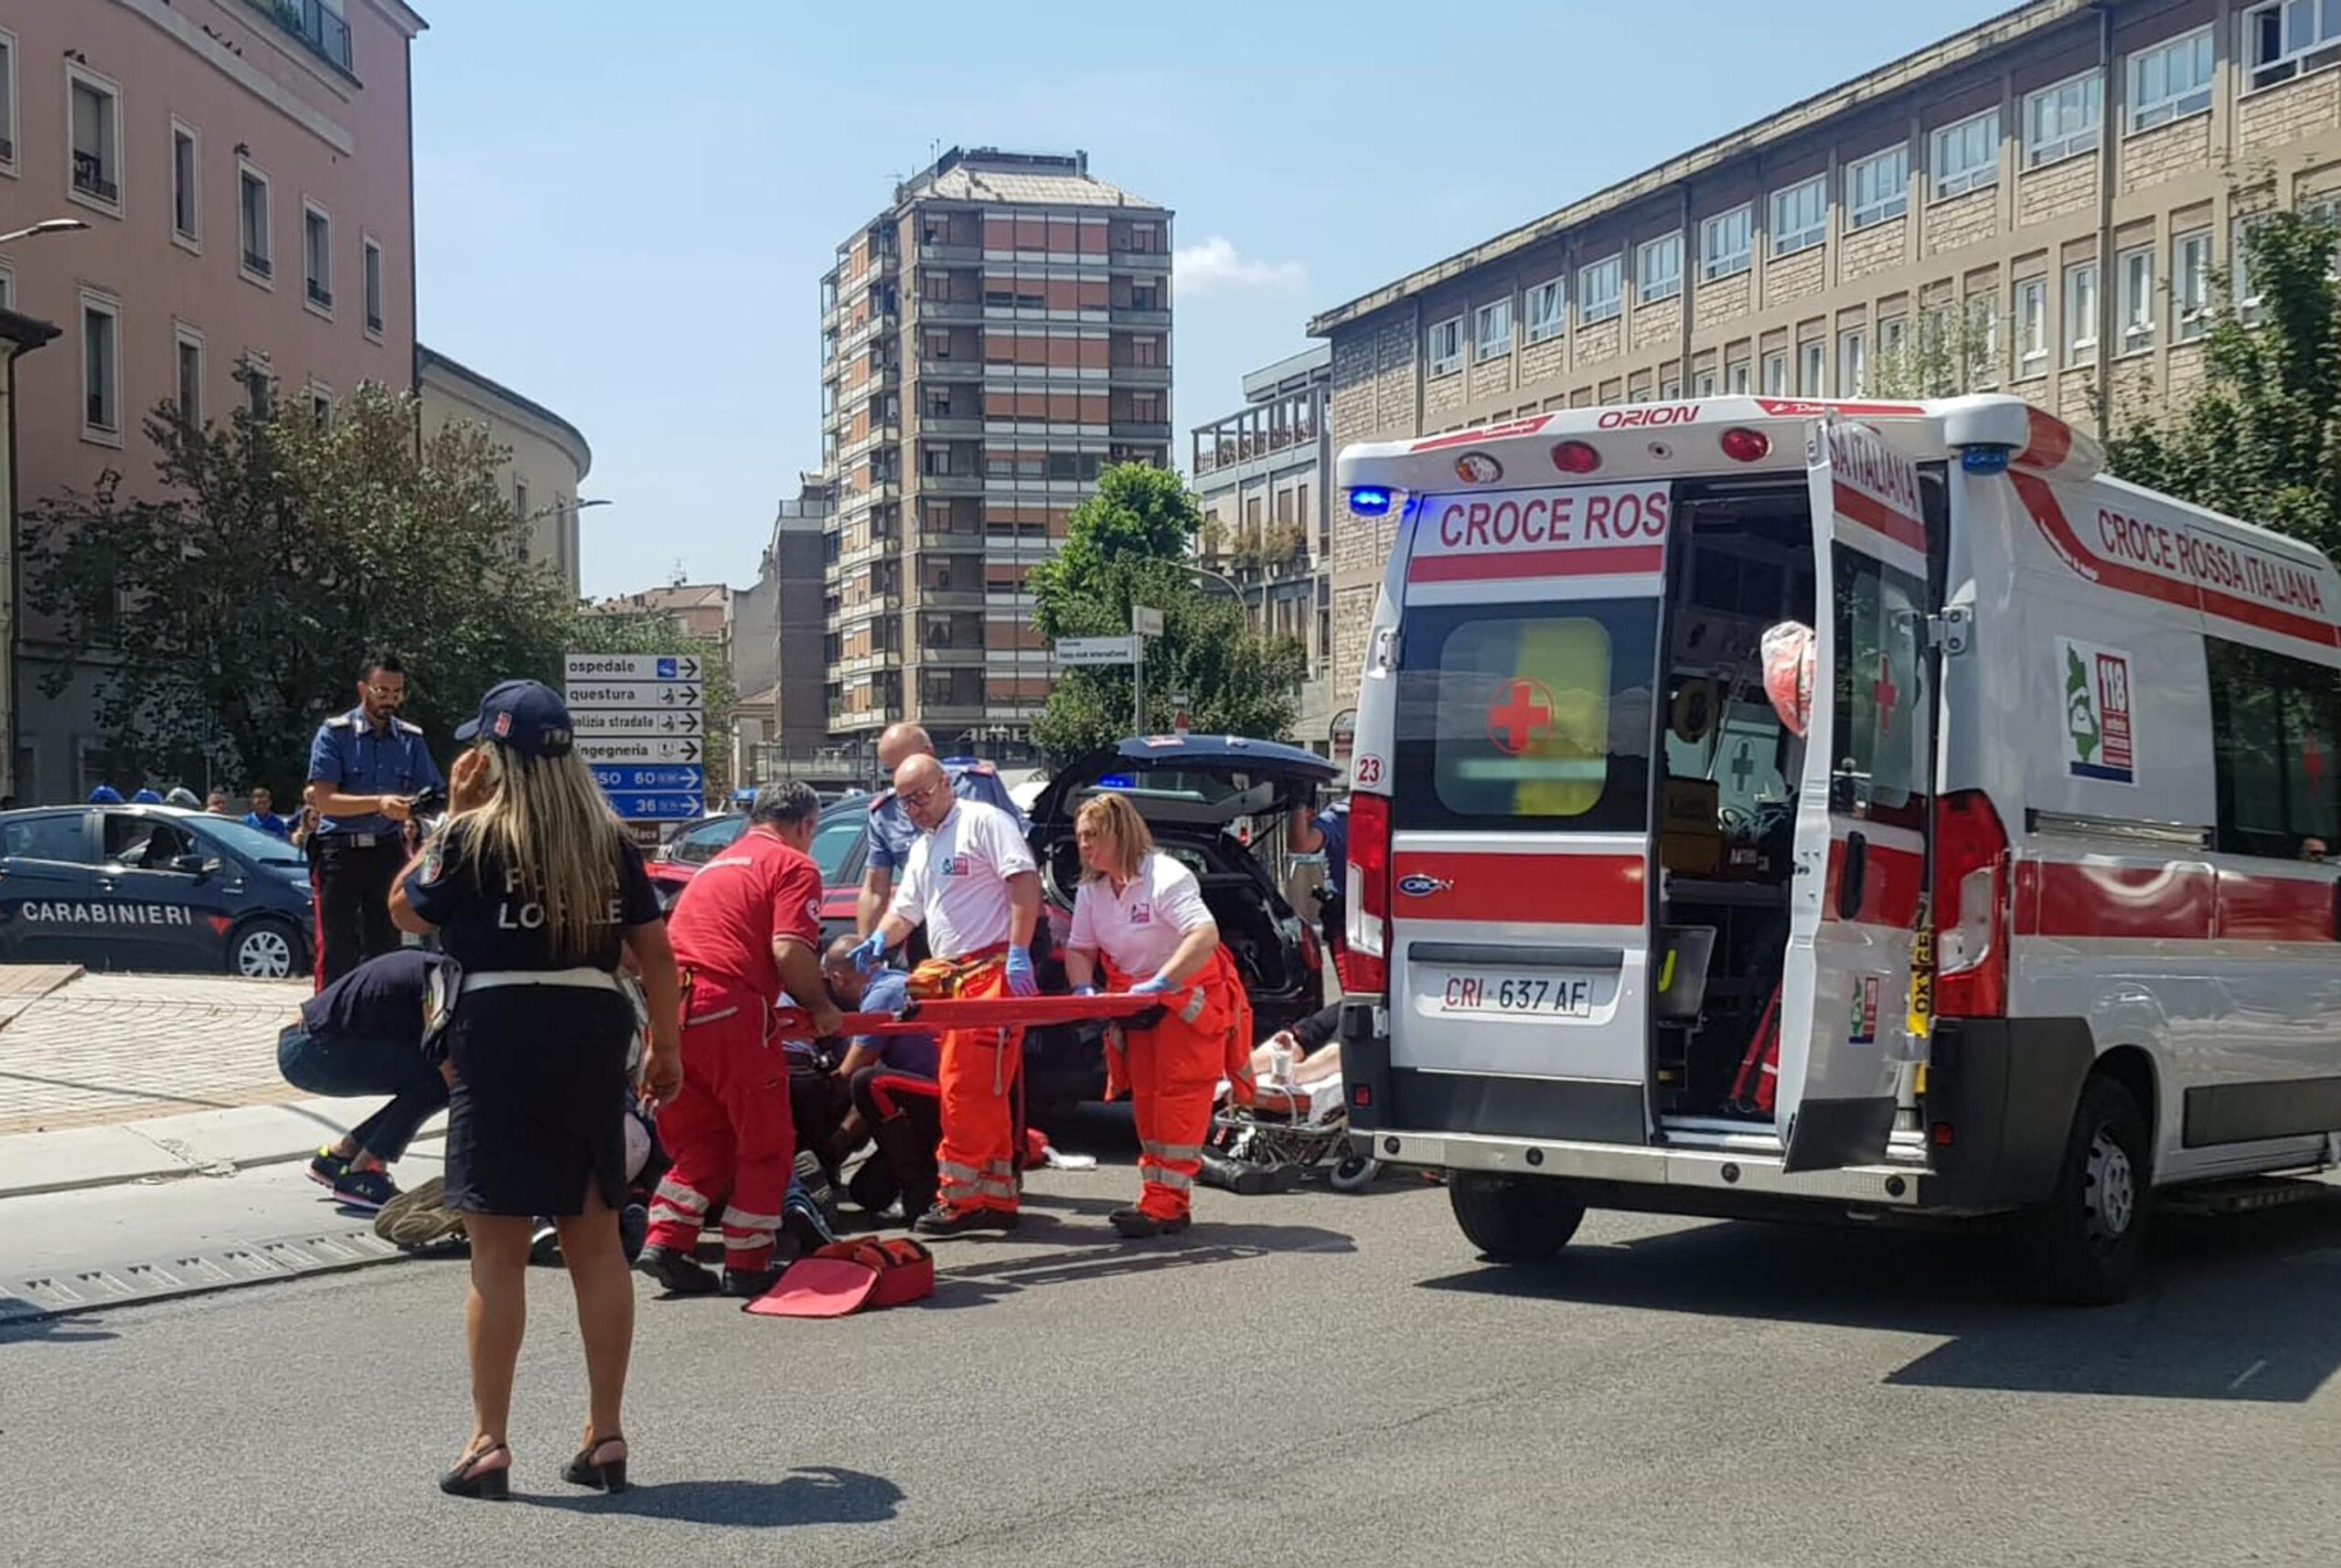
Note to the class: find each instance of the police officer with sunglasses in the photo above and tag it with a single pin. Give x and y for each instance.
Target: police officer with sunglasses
(366, 767)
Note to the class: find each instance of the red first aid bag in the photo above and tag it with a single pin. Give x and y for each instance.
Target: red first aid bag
(846, 1276)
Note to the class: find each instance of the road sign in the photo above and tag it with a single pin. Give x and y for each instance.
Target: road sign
(608, 749)
(662, 807)
(1096, 650)
(633, 694)
(631, 666)
(616, 777)
(1146, 621)
(643, 722)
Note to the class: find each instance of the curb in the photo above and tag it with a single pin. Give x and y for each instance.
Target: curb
(168, 1148)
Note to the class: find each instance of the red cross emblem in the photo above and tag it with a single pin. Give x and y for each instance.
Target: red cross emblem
(1886, 695)
(1519, 716)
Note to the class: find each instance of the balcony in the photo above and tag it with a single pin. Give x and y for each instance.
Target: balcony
(846, 720)
(320, 296)
(969, 369)
(315, 25)
(90, 178)
(880, 435)
(1140, 430)
(1140, 375)
(950, 484)
(933, 313)
(869, 663)
(951, 541)
(954, 658)
(862, 555)
(940, 255)
(1123, 316)
(881, 323)
(877, 490)
(950, 424)
(1139, 260)
(950, 598)
(868, 609)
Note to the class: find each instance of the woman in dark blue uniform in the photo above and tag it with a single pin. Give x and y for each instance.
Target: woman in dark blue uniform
(534, 893)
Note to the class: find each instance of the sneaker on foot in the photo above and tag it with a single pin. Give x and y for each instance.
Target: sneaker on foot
(944, 1221)
(367, 1190)
(544, 1241)
(746, 1285)
(676, 1274)
(419, 1217)
(803, 1222)
(328, 1168)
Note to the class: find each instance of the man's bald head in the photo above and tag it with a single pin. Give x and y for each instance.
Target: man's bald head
(901, 742)
(925, 790)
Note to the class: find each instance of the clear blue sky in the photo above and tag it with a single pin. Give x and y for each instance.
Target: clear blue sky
(623, 209)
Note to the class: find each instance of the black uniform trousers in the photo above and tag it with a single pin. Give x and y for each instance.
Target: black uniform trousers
(352, 881)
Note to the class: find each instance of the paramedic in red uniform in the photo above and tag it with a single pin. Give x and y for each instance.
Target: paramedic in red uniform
(972, 882)
(747, 927)
(1142, 913)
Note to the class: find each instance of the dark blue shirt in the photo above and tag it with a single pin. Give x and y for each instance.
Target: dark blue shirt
(271, 823)
(353, 758)
(1334, 823)
(486, 921)
(892, 832)
(380, 999)
(889, 991)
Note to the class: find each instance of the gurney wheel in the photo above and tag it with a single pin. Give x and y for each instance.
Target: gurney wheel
(1355, 1173)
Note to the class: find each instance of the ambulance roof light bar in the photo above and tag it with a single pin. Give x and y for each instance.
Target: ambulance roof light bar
(1369, 500)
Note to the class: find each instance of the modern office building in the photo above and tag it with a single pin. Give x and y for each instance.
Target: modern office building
(989, 341)
(2049, 194)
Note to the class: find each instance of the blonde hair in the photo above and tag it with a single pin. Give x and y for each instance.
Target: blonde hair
(546, 823)
(1113, 817)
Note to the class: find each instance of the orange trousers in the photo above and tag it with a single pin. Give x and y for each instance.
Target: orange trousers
(976, 1163)
(1172, 1071)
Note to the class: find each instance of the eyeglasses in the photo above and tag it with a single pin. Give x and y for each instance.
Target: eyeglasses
(921, 796)
(386, 693)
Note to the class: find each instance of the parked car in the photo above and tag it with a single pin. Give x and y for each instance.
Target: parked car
(838, 849)
(152, 887)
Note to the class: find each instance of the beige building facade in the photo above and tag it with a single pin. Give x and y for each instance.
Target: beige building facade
(2038, 205)
(547, 458)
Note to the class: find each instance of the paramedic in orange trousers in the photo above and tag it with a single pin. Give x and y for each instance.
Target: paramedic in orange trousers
(747, 926)
(972, 882)
(1142, 913)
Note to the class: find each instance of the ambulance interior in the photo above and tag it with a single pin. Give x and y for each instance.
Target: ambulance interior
(1740, 564)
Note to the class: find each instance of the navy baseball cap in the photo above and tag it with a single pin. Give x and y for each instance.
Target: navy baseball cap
(526, 715)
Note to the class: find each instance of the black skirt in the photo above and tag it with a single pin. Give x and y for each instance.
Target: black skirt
(536, 1118)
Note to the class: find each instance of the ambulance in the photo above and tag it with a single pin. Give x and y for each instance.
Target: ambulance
(1783, 809)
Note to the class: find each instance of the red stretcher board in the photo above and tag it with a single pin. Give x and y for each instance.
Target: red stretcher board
(982, 1013)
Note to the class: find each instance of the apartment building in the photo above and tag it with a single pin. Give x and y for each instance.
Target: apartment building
(989, 342)
(1262, 475)
(546, 458)
(245, 168)
(2049, 193)
(784, 610)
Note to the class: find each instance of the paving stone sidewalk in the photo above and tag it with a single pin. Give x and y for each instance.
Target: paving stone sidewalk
(103, 1049)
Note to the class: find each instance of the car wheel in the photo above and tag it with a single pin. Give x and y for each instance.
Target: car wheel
(265, 950)
(2085, 1246)
(1513, 1220)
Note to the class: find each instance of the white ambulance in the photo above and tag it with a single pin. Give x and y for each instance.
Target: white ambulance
(2031, 920)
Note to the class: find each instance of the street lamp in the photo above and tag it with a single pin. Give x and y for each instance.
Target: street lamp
(46, 226)
(547, 510)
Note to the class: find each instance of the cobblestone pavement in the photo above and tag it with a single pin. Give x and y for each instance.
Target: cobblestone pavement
(119, 1048)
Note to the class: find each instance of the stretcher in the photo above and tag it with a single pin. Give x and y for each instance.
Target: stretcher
(981, 1012)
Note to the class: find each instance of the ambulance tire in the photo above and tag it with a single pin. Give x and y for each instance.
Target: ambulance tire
(2086, 1245)
(1513, 1220)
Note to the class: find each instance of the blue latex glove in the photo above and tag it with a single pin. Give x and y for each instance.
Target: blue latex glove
(1153, 987)
(1085, 991)
(1020, 982)
(869, 951)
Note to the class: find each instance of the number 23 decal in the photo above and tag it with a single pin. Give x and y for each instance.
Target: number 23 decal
(1369, 769)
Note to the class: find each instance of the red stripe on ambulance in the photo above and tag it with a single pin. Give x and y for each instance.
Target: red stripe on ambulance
(1544, 889)
(1880, 518)
(1891, 886)
(1597, 561)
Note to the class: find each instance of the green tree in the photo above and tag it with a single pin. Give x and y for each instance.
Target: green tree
(606, 632)
(1949, 351)
(2262, 440)
(228, 609)
(1128, 544)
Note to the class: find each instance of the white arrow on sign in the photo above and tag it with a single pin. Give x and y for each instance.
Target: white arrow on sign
(1096, 650)
(644, 748)
(640, 721)
(632, 694)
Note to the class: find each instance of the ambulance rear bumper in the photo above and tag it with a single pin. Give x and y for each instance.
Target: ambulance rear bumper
(1684, 1170)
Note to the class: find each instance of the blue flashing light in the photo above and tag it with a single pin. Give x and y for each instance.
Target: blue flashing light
(1369, 500)
(1118, 781)
(1983, 459)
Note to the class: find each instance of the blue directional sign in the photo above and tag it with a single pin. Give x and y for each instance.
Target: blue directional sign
(660, 807)
(618, 777)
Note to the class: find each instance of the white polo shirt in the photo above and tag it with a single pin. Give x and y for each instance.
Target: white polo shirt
(956, 881)
(1140, 927)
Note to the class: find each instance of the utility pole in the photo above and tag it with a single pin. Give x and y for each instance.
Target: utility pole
(1144, 622)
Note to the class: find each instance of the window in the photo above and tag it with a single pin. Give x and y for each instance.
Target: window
(1891, 333)
(2285, 39)
(1600, 290)
(1980, 344)
(935, 461)
(1966, 157)
(7, 102)
(2081, 313)
(1811, 366)
(100, 370)
(2274, 724)
(1447, 346)
(1548, 310)
(2031, 326)
(2061, 121)
(1853, 363)
(62, 839)
(1776, 374)
(1877, 187)
(2135, 269)
(1703, 384)
(1727, 241)
(317, 232)
(1881, 617)
(1491, 330)
(186, 187)
(2190, 285)
(370, 253)
(1800, 217)
(252, 210)
(7, 288)
(2170, 81)
(2247, 297)
(1658, 270)
(189, 354)
(97, 141)
(146, 843)
(260, 387)
(320, 415)
(1736, 377)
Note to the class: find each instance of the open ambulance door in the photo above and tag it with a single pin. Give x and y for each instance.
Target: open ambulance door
(1864, 804)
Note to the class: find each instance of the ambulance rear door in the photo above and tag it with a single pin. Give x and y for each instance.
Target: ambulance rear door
(1520, 790)
(1863, 806)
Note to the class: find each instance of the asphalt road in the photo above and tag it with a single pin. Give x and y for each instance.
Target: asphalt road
(1305, 1378)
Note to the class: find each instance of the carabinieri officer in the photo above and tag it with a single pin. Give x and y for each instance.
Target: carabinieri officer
(366, 768)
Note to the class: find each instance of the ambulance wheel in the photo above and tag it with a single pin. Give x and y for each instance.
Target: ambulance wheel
(1513, 1220)
(266, 949)
(1355, 1173)
(2087, 1243)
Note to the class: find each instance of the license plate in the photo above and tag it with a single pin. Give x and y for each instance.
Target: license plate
(1556, 995)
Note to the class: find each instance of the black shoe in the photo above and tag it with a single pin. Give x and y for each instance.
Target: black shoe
(1135, 1223)
(469, 1479)
(544, 1241)
(609, 1475)
(944, 1221)
(1245, 1179)
(365, 1189)
(749, 1283)
(676, 1273)
(328, 1169)
(874, 1187)
(634, 1230)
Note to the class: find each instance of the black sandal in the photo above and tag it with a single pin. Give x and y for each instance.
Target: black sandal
(468, 1480)
(608, 1477)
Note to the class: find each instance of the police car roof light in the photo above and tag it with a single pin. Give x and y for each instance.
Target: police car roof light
(1369, 500)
